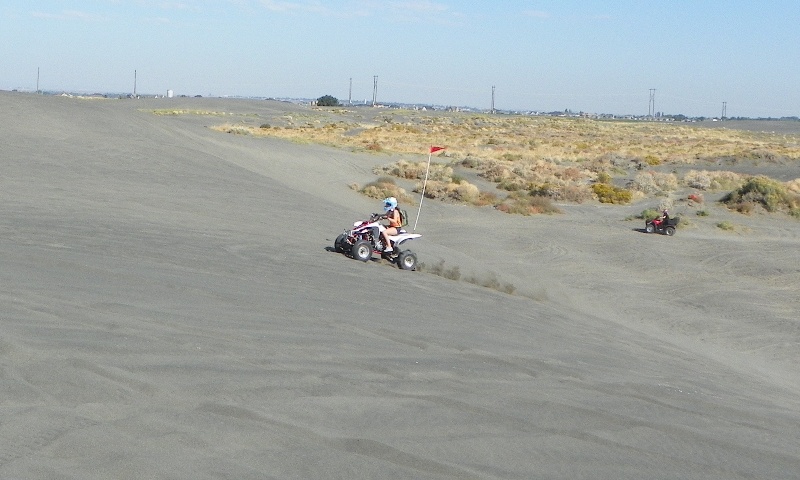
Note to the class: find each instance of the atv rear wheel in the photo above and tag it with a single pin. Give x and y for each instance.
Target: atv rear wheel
(650, 228)
(362, 250)
(670, 231)
(407, 260)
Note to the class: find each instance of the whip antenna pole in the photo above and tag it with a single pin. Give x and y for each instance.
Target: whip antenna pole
(425, 182)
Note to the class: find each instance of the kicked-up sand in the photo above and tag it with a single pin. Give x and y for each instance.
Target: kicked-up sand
(170, 307)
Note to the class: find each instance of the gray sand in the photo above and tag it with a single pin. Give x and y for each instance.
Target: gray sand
(171, 309)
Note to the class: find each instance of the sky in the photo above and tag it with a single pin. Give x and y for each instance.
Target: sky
(690, 57)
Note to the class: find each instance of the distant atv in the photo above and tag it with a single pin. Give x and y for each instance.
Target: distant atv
(660, 226)
(364, 238)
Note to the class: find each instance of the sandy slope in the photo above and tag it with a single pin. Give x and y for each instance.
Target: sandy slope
(170, 310)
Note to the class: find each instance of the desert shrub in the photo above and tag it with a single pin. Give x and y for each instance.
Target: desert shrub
(264, 126)
(385, 187)
(570, 174)
(697, 179)
(568, 193)
(644, 182)
(744, 207)
(416, 170)
(652, 160)
(463, 192)
(496, 172)
(603, 177)
(726, 225)
(610, 194)
(726, 180)
(575, 193)
(237, 129)
(374, 147)
(511, 157)
(433, 190)
(486, 198)
(512, 184)
(771, 194)
(654, 182)
(649, 214)
(470, 162)
(702, 213)
(526, 205)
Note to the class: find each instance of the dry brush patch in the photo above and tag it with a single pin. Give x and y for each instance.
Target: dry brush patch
(765, 193)
(560, 159)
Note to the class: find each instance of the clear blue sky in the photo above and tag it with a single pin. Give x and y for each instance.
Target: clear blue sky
(593, 56)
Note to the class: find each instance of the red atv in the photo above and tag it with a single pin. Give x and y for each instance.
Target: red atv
(658, 225)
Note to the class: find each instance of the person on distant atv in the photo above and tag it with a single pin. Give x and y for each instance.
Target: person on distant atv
(392, 215)
(663, 220)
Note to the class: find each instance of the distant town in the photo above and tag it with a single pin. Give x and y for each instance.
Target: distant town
(658, 116)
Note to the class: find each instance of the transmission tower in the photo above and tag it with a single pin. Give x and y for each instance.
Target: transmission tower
(724, 110)
(350, 93)
(651, 108)
(492, 98)
(374, 90)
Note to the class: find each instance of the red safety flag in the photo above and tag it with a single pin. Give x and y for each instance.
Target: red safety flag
(436, 149)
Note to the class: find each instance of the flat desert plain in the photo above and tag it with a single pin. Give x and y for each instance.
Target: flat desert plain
(170, 308)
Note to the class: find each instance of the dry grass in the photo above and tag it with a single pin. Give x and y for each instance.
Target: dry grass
(167, 111)
(561, 159)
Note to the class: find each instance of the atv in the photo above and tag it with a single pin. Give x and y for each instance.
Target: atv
(659, 226)
(364, 239)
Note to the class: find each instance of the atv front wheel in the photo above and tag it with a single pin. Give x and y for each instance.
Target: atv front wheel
(340, 243)
(670, 231)
(407, 260)
(362, 250)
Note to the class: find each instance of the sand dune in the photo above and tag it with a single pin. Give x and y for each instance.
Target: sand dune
(171, 309)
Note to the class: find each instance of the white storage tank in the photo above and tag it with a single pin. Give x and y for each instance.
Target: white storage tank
(170, 94)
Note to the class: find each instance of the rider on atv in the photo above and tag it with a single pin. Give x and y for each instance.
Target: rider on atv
(663, 219)
(392, 215)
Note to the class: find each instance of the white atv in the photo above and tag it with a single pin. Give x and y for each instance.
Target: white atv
(364, 239)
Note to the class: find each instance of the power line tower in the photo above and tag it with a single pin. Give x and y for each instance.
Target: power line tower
(724, 110)
(492, 98)
(651, 108)
(374, 90)
(350, 93)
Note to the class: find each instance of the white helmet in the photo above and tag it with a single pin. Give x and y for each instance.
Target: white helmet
(389, 204)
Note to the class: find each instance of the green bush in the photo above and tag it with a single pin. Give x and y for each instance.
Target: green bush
(327, 101)
(726, 225)
(610, 194)
(649, 214)
(771, 194)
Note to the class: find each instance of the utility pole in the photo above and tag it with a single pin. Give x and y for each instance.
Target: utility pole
(724, 110)
(492, 98)
(350, 93)
(134, 84)
(651, 109)
(374, 90)
(37, 80)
